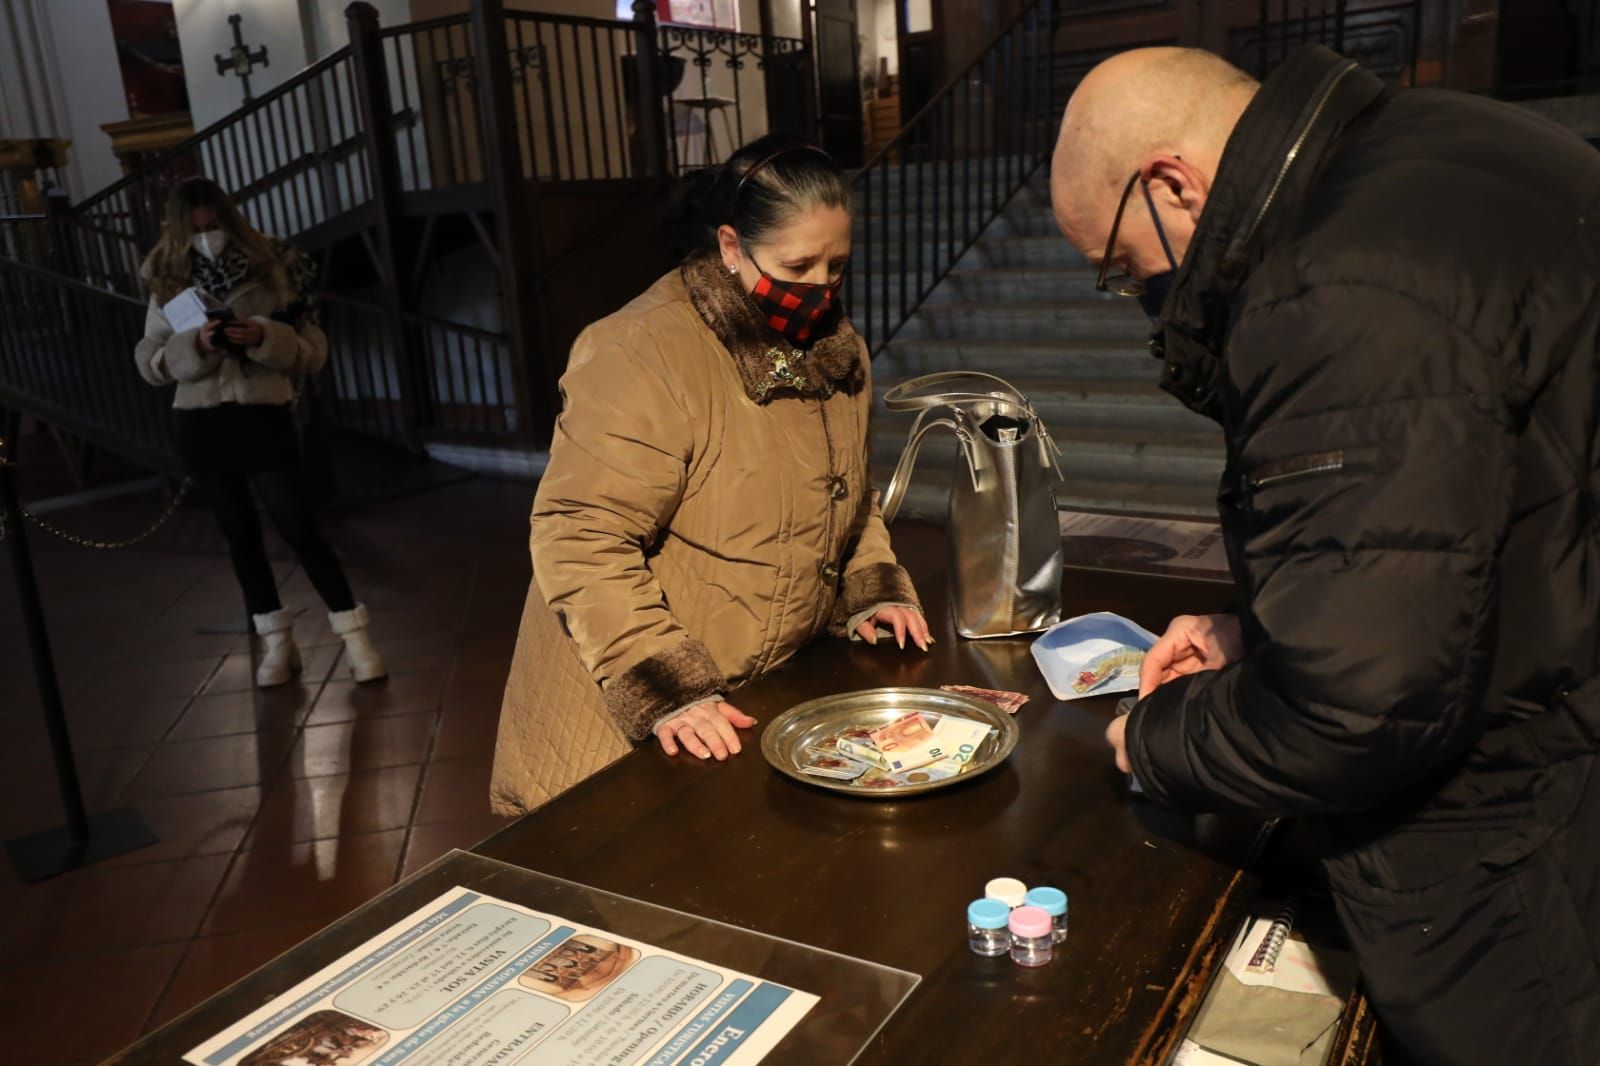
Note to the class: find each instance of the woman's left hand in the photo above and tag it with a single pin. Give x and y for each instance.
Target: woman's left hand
(905, 621)
(245, 333)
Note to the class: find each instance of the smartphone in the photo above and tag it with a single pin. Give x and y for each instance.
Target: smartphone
(219, 339)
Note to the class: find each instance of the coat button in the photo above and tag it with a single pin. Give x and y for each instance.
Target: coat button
(830, 573)
(837, 488)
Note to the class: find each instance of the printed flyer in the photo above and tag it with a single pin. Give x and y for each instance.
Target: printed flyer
(1124, 542)
(470, 980)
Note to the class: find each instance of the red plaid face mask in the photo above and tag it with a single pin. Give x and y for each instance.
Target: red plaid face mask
(793, 308)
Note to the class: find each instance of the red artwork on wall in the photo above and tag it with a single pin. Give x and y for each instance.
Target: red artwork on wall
(146, 33)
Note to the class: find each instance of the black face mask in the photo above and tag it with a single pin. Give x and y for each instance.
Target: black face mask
(1153, 297)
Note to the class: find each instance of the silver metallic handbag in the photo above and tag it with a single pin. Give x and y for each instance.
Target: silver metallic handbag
(1005, 538)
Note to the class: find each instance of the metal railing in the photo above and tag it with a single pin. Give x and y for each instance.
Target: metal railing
(432, 68)
(1383, 37)
(66, 355)
(575, 96)
(923, 200)
(324, 159)
(719, 80)
(412, 376)
(294, 159)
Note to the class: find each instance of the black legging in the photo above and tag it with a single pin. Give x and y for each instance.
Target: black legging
(284, 494)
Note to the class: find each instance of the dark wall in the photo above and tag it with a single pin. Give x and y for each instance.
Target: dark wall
(602, 247)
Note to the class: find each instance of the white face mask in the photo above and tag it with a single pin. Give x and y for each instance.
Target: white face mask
(211, 243)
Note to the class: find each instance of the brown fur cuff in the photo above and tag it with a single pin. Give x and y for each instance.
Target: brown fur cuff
(682, 675)
(868, 587)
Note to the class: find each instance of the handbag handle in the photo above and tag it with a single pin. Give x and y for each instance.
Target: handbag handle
(901, 397)
(900, 481)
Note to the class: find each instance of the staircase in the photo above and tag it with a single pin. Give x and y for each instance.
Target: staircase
(1021, 303)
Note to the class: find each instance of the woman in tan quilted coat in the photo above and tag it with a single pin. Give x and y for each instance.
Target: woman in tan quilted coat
(707, 508)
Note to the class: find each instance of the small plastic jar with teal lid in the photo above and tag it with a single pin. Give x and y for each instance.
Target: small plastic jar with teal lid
(1053, 902)
(987, 927)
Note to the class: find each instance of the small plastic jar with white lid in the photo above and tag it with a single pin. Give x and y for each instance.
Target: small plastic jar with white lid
(1053, 902)
(1031, 944)
(987, 927)
(1007, 890)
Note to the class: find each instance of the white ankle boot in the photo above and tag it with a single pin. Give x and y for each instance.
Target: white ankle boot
(365, 662)
(280, 659)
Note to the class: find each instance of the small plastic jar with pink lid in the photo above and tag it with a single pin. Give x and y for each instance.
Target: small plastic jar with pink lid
(1031, 941)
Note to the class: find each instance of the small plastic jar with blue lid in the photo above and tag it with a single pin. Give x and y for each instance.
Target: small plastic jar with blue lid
(988, 931)
(1053, 902)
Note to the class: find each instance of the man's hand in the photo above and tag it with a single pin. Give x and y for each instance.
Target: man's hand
(706, 729)
(1192, 643)
(1116, 736)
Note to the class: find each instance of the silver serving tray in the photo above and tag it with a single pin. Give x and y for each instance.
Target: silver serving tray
(789, 734)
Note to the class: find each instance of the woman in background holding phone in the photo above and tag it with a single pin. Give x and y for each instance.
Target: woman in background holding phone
(235, 390)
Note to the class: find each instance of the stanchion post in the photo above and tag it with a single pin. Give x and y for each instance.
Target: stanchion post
(84, 839)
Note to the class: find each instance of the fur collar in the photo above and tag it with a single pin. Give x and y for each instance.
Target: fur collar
(768, 364)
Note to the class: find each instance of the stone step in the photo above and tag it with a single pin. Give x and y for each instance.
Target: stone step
(974, 179)
(1021, 303)
(1086, 319)
(929, 500)
(1010, 286)
(1044, 252)
(1022, 253)
(1104, 454)
(1068, 405)
(1107, 360)
(990, 288)
(968, 285)
(900, 227)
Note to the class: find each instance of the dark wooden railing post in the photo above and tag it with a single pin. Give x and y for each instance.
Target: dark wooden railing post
(61, 251)
(383, 181)
(535, 368)
(813, 105)
(649, 131)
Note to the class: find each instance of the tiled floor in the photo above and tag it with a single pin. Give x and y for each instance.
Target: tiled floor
(278, 811)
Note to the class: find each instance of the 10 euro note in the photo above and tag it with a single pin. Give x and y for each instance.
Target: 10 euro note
(956, 739)
(902, 734)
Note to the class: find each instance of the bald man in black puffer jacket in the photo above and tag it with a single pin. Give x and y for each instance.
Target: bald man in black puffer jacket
(1390, 301)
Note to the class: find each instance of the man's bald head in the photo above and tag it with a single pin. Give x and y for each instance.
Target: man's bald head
(1138, 111)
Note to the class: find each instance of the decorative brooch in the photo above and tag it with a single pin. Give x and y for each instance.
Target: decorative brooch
(787, 372)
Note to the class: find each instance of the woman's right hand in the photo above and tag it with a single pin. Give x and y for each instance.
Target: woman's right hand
(706, 729)
(206, 332)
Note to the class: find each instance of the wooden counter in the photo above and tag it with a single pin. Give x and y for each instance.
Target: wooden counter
(1155, 896)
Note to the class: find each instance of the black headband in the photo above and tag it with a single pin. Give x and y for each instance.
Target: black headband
(733, 201)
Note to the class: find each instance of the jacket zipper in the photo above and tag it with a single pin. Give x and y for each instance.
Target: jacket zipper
(1299, 466)
(1288, 160)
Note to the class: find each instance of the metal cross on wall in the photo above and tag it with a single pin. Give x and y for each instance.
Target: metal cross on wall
(240, 60)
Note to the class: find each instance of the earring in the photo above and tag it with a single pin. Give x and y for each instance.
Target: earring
(734, 269)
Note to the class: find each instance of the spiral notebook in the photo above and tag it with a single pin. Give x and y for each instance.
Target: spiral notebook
(1276, 1002)
(1266, 953)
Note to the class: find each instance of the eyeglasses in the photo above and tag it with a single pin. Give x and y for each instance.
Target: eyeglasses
(1123, 284)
